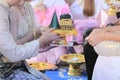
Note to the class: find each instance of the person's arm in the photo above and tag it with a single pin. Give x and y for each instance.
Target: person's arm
(8, 46)
(112, 33)
(114, 28)
(103, 34)
(15, 52)
(110, 36)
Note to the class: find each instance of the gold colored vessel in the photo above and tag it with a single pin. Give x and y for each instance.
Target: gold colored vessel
(64, 33)
(66, 28)
(112, 10)
(74, 61)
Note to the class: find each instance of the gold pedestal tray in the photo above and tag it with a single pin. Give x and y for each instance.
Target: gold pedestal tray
(74, 61)
(64, 33)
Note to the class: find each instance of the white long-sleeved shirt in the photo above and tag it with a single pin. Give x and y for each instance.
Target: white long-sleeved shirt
(8, 46)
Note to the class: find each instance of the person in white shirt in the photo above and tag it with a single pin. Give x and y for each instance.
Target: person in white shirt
(14, 52)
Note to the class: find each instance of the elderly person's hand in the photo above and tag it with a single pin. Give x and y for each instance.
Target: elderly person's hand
(95, 37)
(48, 37)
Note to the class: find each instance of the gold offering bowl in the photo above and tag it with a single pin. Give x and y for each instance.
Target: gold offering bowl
(64, 33)
(74, 61)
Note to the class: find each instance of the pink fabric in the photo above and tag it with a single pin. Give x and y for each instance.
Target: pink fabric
(103, 18)
(69, 38)
(82, 25)
(44, 17)
(52, 56)
(78, 49)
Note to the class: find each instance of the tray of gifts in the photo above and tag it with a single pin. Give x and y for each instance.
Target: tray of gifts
(41, 65)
